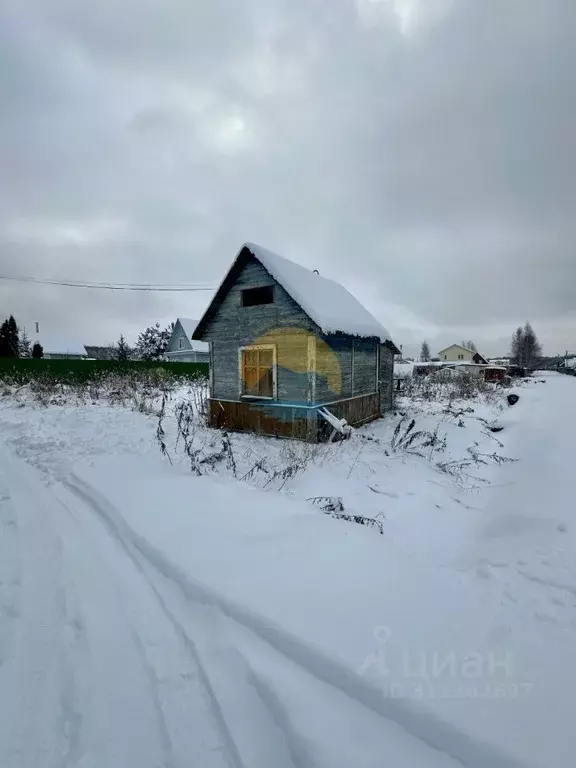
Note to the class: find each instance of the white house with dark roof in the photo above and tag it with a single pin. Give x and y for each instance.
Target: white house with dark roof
(291, 351)
(182, 348)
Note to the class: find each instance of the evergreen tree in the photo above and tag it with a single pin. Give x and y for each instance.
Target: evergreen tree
(14, 337)
(4, 339)
(123, 351)
(9, 341)
(37, 351)
(152, 343)
(425, 352)
(25, 344)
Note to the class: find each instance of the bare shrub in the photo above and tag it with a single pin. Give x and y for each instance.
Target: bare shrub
(461, 469)
(198, 445)
(140, 389)
(449, 384)
(333, 506)
(160, 433)
(406, 439)
(198, 394)
(291, 461)
(47, 391)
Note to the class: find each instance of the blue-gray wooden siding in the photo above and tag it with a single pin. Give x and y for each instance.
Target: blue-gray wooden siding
(386, 378)
(235, 326)
(357, 359)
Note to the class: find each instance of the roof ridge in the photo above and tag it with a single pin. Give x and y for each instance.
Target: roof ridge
(325, 301)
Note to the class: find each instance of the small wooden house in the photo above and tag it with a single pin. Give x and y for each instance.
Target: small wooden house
(292, 352)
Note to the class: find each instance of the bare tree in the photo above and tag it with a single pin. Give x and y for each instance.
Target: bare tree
(525, 348)
(469, 345)
(425, 352)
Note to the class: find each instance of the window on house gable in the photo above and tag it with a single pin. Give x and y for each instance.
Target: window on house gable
(180, 343)
(257, 371)
(253, 297)
(460, 357)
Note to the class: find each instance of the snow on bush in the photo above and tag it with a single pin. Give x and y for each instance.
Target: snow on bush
(142, 390)
(448, 385)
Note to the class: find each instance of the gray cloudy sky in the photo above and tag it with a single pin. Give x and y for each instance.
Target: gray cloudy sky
(422, 152)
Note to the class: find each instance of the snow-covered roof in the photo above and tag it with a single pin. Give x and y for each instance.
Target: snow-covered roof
(469, 364)
(189, 327)
(101, 352)
(56, 345)
(326, 302)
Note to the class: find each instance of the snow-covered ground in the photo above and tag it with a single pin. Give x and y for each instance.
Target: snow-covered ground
(152, 617)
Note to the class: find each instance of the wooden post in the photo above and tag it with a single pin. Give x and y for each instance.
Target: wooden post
(311, 369)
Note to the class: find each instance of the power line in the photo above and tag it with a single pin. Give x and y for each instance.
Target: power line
(108, 286)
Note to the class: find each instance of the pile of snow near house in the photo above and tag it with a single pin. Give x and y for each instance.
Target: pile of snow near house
(404, 597)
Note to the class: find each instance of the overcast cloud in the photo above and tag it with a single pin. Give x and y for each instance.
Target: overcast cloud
(422, 152)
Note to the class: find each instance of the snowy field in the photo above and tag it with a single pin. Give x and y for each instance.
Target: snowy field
(211, 607)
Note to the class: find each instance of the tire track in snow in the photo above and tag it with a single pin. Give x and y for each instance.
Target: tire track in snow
(152, 642)
(266, 746)
(71, 716)
(421, 724)
(31, 715)
(75, 691)
(10, 570)
(298, 748)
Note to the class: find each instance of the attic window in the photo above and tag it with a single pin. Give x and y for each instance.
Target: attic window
(253, 297)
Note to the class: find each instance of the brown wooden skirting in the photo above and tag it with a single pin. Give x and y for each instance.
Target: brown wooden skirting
(357, 410)
(290, 421)
(248, 416)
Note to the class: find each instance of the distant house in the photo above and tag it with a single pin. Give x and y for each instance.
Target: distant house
(457, 353)
(56, 348)
(487, 371)
(426, 368)
(292, 353)
(182, 348)
(101, 353)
